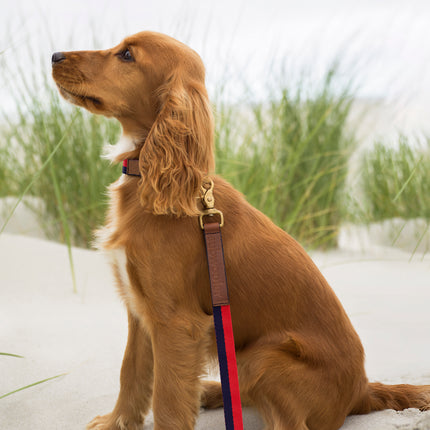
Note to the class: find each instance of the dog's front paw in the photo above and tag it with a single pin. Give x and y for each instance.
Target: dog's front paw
(114, 421)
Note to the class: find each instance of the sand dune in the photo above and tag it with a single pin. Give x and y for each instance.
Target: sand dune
(84, 334)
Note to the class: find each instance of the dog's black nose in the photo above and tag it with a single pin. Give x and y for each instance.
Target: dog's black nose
(58, 57)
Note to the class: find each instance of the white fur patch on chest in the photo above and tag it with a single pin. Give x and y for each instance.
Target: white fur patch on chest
(114, 153)
(107, 239)
(118, 260)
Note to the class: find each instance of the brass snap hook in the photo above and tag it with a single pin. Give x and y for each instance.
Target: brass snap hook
(207, 189)
(208, 201)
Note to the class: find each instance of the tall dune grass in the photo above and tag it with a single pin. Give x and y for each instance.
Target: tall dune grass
(396, 181)
(72, 187)
(291, 159)
(5, 186)
(287, 155)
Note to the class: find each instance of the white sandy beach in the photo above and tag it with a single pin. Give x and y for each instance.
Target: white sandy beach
(83, 334)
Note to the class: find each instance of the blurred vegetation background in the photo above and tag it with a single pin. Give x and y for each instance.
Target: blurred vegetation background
(289, 154)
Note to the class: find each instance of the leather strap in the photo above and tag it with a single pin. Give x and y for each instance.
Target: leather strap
(130, 166)
(223, 327)
(215, 256)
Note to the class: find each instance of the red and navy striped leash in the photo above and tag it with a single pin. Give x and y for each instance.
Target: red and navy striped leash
(221, 310)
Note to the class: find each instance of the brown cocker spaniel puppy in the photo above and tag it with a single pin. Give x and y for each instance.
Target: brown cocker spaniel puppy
(300, 361)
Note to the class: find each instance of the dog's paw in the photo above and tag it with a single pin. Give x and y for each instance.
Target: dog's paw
(114, 422)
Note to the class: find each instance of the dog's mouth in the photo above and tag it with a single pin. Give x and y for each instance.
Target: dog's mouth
(79, 99)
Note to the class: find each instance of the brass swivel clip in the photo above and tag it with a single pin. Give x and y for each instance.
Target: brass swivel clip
(208, 201)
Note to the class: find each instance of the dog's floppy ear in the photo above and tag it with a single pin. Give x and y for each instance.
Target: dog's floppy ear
(178, 151)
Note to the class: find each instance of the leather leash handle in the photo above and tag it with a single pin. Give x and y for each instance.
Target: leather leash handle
(223, 327)
(215, 255)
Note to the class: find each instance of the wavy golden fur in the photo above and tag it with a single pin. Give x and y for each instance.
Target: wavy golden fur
(300, 361)
(178, 152)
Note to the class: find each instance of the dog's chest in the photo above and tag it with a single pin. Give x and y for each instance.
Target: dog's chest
(110, 240)
(118, 260)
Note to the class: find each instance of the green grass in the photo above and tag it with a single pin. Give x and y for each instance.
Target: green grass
(7, 354)
(5, 186)
(396, 181)
(290, 159)
(31, 385)
(72, 185)
(2, 396)
(288, 154)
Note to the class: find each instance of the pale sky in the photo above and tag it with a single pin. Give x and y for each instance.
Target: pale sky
(385, 44)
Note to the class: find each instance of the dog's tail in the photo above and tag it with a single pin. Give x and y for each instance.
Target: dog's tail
(397, 397)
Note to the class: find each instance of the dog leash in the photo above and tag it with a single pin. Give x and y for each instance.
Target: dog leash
(220, 300)
(221, 310)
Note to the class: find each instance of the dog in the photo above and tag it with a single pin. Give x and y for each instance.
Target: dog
(300, 361)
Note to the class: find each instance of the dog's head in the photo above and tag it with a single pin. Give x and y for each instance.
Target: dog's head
(155, 86)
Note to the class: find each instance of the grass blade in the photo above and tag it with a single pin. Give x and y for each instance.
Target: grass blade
(32, 385)
(66, 230)
(409, 178)
(11, 355)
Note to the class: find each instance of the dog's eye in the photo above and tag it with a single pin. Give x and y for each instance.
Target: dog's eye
(126, 55)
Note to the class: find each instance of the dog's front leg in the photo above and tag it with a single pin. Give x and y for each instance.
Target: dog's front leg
(134, 399)
(179, 358)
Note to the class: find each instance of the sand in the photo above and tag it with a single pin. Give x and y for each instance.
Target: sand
(83, 334)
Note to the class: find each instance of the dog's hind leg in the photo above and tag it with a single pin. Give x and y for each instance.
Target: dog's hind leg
(290, 393)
